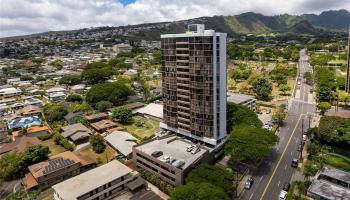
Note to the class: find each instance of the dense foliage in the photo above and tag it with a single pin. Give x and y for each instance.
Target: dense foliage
(70, 80)
(122, 114)
(116, 93)
(97, 72)
(102, 106)
(262, 87)
(97, 143)
(54, 112)
(74, 98)
(205, 182)
(14, 165)
(326, 84)
(243, 138)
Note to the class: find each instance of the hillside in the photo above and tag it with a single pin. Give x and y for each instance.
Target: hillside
(245, 23)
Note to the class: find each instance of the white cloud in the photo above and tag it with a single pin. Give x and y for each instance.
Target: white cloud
(30, 16)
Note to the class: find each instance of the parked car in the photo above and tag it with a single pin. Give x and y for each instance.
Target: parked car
(248, 184)
(156, 154)
(295, 162)
(304, 138)
(283, 195)
(286, 186)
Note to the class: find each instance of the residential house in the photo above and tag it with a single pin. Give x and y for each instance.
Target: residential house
(8, 101)
(55, 96)
(20, 144)
(96, 117)
(58, 168)
(132, 73)
(122, 142)
(36, 131)
(9, 92)
(78, 88)
(29, 110)
(134, 106)
(103, 125)
(78, 133)
(72, 118)
(105, 182)
(33, 101)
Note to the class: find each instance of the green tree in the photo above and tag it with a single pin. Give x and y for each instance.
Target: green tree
(103, 106)
(262, 87)
(97, 72)
(241, 140)
(123, 114)
(74, 98)
(26, 78)
(79, 107)
(40, 78)
(284, 89)
(116, 92)
(70, 80)
(54, 112)
(97, 143)
(280, 114)
(323, 107)
(198, 191)
(239, 115)
(214, 175)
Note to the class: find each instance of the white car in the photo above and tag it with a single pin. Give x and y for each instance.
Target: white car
(299, 82)
(283, 195)
(304, 138)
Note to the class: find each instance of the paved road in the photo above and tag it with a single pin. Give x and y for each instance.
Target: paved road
(276, 169)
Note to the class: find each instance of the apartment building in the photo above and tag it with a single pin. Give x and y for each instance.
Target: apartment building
(169, 157)
(347, 84)
(104, 182)
(58, 168)
(194, 84)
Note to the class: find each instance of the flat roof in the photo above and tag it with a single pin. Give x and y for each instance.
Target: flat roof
(152, 109)
(122, 141)
(172, 146)
(328, 190)
(90, 180)
(335, 173)
(239, 98)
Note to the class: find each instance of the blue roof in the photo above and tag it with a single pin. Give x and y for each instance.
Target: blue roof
(24, 122)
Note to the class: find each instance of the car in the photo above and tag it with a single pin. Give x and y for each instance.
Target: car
(295, 162)
(304, 138)
(190, 148)
(156, 154)
(248, 184)
(286, 186)
(195, 150)
(299, 83)
(283, 195)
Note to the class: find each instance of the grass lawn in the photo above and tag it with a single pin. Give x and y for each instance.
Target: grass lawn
(337, 162)
(148, 129)
(108, 155)
(54, 148)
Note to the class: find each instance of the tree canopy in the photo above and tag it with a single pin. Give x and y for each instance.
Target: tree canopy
(262, 87)
(97, 143)
(243, 137)
(116, 92)
(70, 79)
(123, 114)
(54, 112)
(97, 72)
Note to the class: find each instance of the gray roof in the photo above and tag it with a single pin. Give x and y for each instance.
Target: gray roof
(72, 115)
(174, 147)
(75, 131)
(239, 98)
(328, 190)
(74, 187)
(122, 141)
(335, 174)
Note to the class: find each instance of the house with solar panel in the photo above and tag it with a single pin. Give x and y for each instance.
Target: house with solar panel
(57, 169)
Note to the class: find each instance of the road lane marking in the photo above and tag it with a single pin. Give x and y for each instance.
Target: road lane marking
(285, 167)
(261, 179)
(291, 153)
(251, 196)
(279, 161)
(278, 184)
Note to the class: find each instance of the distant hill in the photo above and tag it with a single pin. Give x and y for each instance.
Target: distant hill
(245, 23)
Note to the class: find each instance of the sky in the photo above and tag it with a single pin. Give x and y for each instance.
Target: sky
(20, 17)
